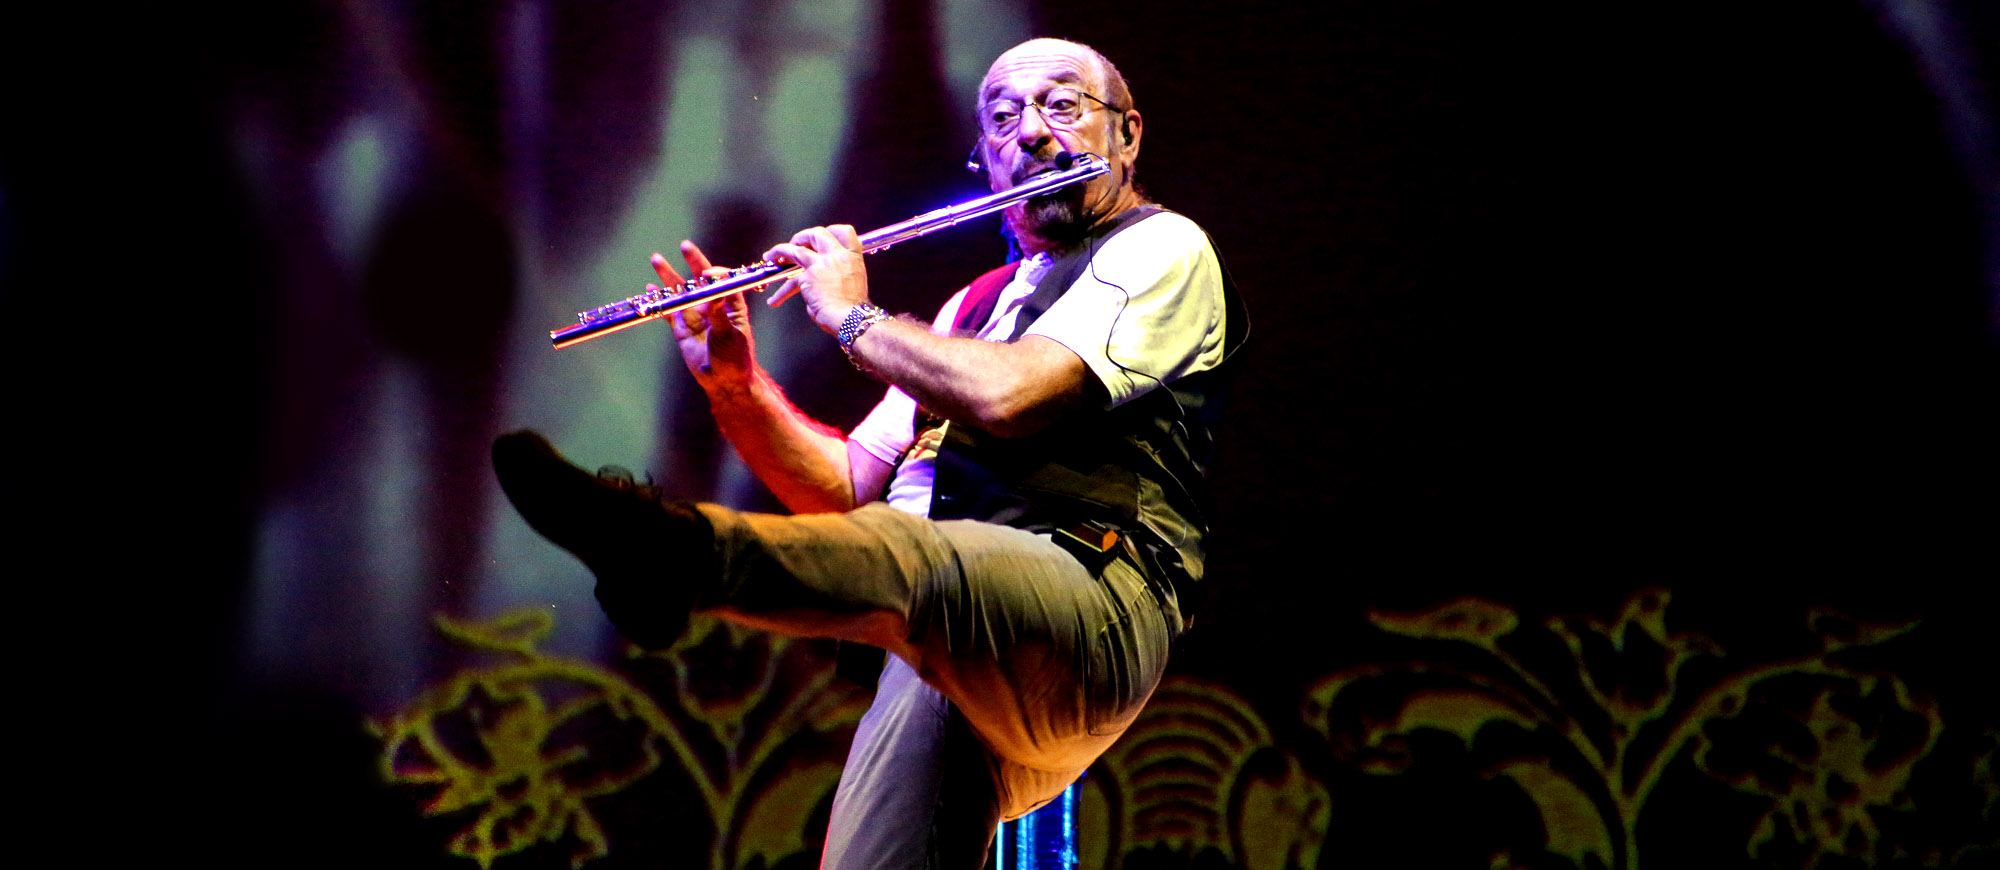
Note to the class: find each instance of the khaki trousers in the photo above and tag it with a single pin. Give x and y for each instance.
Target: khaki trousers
(1012, 667)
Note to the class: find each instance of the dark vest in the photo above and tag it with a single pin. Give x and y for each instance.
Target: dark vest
(1140, 468)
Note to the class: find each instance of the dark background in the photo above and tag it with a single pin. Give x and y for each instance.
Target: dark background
(1550, 305)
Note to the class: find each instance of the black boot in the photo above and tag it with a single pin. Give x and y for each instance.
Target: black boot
(651, 556)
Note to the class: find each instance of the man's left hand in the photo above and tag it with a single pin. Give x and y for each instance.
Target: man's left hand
(833, 278)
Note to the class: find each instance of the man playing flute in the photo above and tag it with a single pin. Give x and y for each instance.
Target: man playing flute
(1019, 523)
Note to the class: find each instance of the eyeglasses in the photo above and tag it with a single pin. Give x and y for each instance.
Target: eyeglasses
(1061, 107)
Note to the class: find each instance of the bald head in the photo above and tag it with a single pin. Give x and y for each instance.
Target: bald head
(1103, 77)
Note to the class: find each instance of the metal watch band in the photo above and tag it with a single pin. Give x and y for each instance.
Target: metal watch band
(858, 319)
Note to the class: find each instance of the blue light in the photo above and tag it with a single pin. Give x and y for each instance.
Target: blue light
(1042, 840)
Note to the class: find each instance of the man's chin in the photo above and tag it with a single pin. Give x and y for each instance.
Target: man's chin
(1056, 217)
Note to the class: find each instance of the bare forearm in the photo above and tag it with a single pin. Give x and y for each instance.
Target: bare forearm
(802, 461)
(1009, 389)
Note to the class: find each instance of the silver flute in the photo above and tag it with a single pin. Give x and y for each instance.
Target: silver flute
(1071, 169)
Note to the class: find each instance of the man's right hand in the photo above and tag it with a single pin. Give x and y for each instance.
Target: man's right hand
(808, 465)
(714, 337)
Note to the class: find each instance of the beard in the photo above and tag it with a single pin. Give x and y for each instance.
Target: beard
(1059, 218)
(1064, 217)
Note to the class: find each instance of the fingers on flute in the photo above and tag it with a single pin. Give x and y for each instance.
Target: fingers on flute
(786, 290)
(697, 261)
(787, 252)
(689, 321)
(665, 270)
(717, 312)
(824, 239)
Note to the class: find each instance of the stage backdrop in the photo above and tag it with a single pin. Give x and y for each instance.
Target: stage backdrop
(1609, 482)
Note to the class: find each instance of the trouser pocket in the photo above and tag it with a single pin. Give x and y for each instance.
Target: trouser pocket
(1128, 655)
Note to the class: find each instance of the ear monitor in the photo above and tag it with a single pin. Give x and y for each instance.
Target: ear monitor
(1128, 131)
(972, 163)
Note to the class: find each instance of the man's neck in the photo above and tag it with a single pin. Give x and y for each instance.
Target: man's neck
(1032, 244)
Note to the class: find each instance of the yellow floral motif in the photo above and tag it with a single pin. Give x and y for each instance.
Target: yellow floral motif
(787, 689)
(510, 769)
(1472, 620)
(1844, 768)
(1600, 766)
(525, 743)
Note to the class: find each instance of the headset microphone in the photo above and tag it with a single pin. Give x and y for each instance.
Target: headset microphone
(1063, 160)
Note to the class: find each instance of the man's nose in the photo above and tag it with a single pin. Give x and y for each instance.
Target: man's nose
(1034, 129)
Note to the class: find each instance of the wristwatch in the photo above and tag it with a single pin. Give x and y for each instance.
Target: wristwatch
(858, 319)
